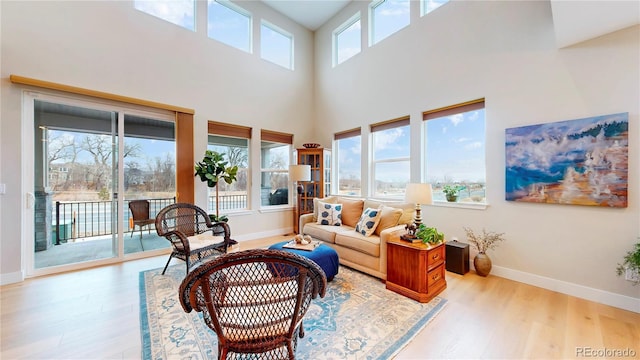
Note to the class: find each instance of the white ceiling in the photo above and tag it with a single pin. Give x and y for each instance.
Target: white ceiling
(309, 13)
(578, 21)
(574, 21)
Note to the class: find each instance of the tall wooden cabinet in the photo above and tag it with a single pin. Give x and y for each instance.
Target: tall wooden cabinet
(320, 184)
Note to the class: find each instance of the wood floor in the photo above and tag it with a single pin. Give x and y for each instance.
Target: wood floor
(94, 314)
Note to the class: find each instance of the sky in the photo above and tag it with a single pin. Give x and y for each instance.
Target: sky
(454, 150)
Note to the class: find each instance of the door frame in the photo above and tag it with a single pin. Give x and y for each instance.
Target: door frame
(28, 180)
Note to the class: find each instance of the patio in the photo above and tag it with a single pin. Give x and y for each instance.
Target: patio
(94, 248)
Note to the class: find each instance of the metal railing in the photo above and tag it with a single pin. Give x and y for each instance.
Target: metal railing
(228, 202)
(82, 219)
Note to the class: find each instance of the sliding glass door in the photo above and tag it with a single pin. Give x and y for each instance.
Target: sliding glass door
(85, 156)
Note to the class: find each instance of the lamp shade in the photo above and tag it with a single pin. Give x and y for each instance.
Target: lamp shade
(418, 193)
(299, 172)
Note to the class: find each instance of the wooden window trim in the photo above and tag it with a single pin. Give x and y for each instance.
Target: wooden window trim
(218, 128)
(98, 94)
(390, 124)
(454, 109)
(347, 134)
(274, 136)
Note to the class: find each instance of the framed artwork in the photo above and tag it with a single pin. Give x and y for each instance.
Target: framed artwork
(575, 162)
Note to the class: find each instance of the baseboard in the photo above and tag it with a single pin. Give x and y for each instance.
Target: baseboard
(11, 278)
(564, 287)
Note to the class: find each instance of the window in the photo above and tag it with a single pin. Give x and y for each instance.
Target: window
(276, 45)
(229, 24)
(348, 155)
(387, 17)
(179, 12)
(275, 150)
(455, 150)
(427, 6)
(347, 40)
(233, 141)
(390, 143)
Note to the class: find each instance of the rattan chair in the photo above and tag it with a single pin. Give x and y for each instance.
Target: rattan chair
(140, 216)
(177, 222)
(254, 300)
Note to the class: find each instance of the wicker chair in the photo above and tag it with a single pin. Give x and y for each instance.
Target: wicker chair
(140, 216)
(254, 300)
(177, 222)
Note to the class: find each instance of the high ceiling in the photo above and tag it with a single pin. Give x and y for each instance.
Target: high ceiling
(309, 13)
(574, 21)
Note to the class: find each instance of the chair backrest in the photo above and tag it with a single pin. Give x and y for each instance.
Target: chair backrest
(182, 217)
(254, 300)
(139, 209)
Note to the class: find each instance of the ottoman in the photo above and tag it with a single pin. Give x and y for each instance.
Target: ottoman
(323, 255)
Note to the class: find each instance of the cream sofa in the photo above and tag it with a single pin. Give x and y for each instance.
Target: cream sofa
(364, 253)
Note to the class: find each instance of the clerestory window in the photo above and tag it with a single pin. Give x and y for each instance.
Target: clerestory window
(387, 17)
(229, 24)
(347, 40)
(179, 12)
(276, 45)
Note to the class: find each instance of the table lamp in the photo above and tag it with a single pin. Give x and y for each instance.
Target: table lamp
(298, 173)
(420, 194)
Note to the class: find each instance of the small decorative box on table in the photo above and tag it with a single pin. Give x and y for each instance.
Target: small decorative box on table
(415, 270)
(323, 255)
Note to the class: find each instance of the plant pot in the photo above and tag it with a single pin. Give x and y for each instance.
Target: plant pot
(482, 263)
(452, 198)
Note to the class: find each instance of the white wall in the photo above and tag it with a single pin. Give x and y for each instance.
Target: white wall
(504, 51)
(111, 47)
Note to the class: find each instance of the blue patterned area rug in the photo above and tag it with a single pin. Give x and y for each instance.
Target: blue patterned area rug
(357, 319)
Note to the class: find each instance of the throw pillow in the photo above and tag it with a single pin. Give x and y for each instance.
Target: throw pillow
(388, 218)
(351, 211)
(329, 214)
(408, 212)
(368, 221)
(328, 199)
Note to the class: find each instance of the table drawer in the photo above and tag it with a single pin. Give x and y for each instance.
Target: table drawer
(435, 257)
(435, 278)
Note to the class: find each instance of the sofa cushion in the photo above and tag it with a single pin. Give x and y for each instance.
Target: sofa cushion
(388, 218)
(329, 214)
(408, 211)
(328, 199)
(368, 221)
(351, 211)
(324, 232)
(369, 245)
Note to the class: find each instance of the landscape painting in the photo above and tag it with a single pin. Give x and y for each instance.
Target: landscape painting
(575, 162)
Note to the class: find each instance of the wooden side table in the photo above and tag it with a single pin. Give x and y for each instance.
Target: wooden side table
(415, 270)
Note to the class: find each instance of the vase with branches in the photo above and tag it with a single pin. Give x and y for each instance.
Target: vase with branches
(488, 240)
(212, 169)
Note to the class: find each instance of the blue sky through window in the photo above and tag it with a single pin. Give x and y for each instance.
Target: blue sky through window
(276, 46)
(179, 12)
(229, 26)
(348, 41)
(388, 17)
(430, 5)
(455, 148)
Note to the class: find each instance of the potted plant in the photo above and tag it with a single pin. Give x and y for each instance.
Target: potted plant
(451, 192)
(483, 242)
(429, 235)
(631, 263)
(212, 169)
